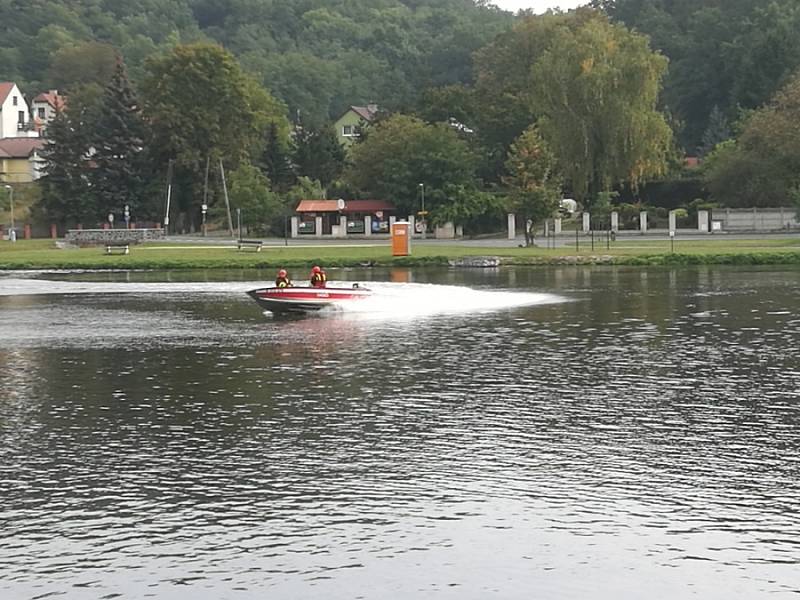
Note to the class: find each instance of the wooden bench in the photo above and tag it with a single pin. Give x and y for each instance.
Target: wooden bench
(118, 248)
(250, 244)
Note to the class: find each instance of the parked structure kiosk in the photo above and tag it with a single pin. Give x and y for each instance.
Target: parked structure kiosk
(401, 238)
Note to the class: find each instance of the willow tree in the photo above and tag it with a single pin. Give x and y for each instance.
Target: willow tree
(594, 89)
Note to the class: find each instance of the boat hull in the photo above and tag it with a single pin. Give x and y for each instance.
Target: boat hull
(306, 299)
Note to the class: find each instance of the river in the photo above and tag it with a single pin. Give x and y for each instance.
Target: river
(570, 433)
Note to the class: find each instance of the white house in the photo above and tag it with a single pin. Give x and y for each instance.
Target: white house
(15, 119)
(46, 106)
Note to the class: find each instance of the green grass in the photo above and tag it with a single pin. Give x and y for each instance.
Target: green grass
(42, 254)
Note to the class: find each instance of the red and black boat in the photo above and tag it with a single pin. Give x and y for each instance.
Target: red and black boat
(306, 299)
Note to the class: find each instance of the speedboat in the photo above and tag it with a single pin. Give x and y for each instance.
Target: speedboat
(301, 299)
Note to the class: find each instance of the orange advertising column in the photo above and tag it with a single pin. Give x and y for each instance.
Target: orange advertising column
(401, 238)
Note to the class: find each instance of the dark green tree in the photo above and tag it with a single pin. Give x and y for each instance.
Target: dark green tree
(250, 192)
(202, 108)
(275, 160)
(718, 131)
(402, 152)
(121, 169)
(67, 196)
(762, 166)
(319, 155)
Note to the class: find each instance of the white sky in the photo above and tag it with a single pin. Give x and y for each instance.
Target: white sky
(538, 6)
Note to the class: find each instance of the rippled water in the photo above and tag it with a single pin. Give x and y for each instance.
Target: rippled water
(578, 433)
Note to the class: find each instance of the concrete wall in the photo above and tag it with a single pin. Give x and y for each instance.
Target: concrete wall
(98, 237)
(756, 219)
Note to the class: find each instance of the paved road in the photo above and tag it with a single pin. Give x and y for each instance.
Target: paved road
(563, 240)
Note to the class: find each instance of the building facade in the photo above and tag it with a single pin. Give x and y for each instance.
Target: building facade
(46, 106)
(15, 118)
(20, 159)
(348, 126)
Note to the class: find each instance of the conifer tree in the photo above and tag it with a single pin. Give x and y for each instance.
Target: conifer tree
(717, 131)
(119, 138)
(275, 162)
(66, 189)
(319, 155)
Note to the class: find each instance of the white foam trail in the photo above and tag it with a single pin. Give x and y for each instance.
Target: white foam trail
(395, 300)
(34, 287)
(409, 300)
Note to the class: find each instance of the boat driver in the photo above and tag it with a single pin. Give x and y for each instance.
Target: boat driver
(318, 277)
(282, 280)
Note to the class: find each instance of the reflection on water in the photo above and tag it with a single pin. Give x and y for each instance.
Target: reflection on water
(639, 439)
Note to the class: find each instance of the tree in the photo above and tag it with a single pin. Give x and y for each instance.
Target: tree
(319, 155)
(731, 54)
(84, 64)
(533, 182)
(761, 167)
(120, 174)
(402, 152)
(718, 131)
(275, 162)
(595, 89)
(250, 192)
(201, 106)
(66, 191)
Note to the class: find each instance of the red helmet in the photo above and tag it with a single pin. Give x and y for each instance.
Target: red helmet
(282, 273)
(316, 269)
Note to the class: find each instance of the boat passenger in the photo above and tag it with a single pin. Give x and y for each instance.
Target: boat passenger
(282, 280)
(318, 277)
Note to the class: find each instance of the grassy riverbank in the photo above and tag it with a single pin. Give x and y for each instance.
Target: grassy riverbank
(42, 254)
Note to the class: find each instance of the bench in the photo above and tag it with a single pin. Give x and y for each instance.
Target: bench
(250, 244)
(120, 248)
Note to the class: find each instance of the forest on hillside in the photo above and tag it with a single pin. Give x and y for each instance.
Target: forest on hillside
(320, 56)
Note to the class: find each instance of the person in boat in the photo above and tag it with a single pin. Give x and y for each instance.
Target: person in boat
(318, 277)
(282, 280)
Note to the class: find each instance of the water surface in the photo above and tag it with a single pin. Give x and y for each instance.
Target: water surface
(555, 433)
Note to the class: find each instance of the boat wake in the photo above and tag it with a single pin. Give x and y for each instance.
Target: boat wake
(411, 300)
(395, 300)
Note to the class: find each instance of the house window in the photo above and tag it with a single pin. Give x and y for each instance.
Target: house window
(351, 131)
(41, 112)
(14, 100)
(21, 116)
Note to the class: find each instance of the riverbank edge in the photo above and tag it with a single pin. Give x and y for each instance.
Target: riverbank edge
(663, 259)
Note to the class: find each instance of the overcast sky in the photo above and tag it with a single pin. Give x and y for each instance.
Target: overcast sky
(538, 6)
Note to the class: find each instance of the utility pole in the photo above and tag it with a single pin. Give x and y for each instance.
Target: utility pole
(169, 197)
(227, 202)
(12, 235)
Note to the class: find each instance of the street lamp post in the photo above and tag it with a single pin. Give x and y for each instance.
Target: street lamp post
(13, 233)
(423, 213)
(205, 210)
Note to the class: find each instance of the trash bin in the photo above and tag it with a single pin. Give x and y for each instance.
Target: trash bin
(401, 238)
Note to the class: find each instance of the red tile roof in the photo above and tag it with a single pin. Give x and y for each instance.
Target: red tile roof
(20, 147)
(365, 112)
(691, 162)
(5, 90)
(53, 98)
(350, 206)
